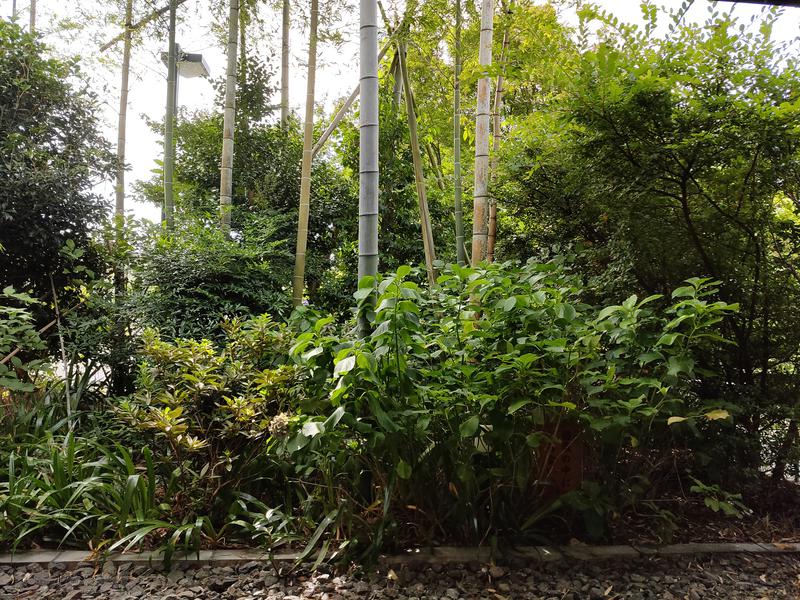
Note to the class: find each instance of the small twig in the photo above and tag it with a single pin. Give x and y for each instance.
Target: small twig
(63, 353)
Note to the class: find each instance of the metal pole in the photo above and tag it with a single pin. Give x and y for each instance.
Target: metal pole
(167, 208)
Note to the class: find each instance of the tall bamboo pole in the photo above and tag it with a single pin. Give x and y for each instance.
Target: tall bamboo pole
(416, 157)
(480, 200)
(305, 170)
(497, 135)
(228, 124)
(167, 207)
(119, 208)
(32, 27)
(368, 145)
(285, 30)
(457, 186)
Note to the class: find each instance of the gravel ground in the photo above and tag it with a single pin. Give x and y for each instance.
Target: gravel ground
(729, 577)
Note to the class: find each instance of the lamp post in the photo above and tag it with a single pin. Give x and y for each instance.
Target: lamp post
(179, 64)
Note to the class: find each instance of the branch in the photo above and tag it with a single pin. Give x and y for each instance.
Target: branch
(139, 24)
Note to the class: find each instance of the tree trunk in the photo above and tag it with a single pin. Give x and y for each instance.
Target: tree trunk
(169, 121)
(368, 144)
(285, 30)
(457, 187)
(497, 135)
(416, 156)
(480, 201)
(32, 27)
(228, 123)
(305, 171)
(119, 208)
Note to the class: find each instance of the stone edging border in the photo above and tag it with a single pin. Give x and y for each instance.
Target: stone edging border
(439, 555)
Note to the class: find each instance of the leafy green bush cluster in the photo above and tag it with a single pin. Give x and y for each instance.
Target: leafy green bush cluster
(186, 282)
(448, 423)
(456, 410)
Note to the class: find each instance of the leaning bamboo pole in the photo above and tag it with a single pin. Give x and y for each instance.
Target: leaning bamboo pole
(298, 282)
(436, 165)
(419, 177)
(344, 108)
(497, 135)
(397, 85)
(228, 124)
(480, 199)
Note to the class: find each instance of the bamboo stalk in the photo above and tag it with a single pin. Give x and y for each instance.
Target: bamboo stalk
(497, 135)
(480, 198)
(397, 85)
(458, 211)
(368, 145)
(435, 165)
(228, 125)
(285, 31)
(169, 121)
(419, 177)
(32, 16)
(119, 208)
(298, 282)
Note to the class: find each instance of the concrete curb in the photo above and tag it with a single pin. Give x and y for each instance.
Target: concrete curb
(439, 555)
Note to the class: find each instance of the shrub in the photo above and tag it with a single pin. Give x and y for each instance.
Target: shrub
(449, 419)
(187, 282)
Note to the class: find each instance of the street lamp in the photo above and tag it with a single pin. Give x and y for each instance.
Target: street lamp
(179, 64)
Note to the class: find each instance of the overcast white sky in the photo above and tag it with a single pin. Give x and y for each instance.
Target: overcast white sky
(337, 75)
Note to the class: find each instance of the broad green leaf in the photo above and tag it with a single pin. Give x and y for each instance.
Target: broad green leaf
(517, 405)
(403, 470)
(345, 365)
(469, 427)
(717, 414)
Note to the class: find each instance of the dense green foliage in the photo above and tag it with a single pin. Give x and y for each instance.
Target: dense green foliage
(455, 404)
(673, 157)
(51, 157)
(634, 355)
